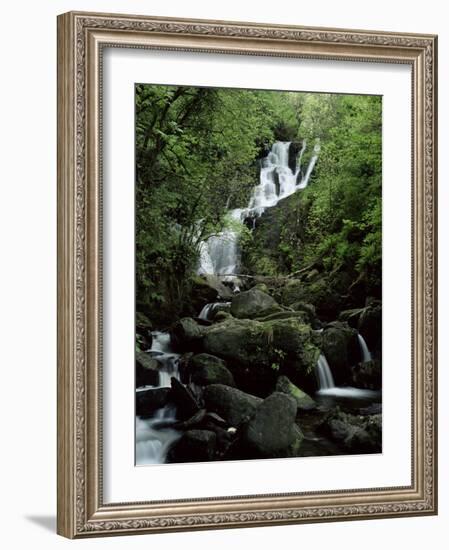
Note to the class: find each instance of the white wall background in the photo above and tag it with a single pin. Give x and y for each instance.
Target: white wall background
(28, 271)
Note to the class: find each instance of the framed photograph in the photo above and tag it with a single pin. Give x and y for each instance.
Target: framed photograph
(246, 274)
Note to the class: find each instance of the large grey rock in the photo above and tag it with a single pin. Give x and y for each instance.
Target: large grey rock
(293, 291)
(147, 370)
(202, 293)
(207, 369)
(149, 401)
(271, 431)
(355, 433)
(240, 341)
(300, 315)
(303, 400)
(186, 334)
(256, 351)
(233, 405)
(186, 402)
(253, 303)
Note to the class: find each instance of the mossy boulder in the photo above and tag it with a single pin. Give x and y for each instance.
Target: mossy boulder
(309, 311)
(207, 369)
(256, 352)
(202, 293)
(262, 287)
(186, 402)
(300, 315)
(356, 433)
(147, 370)
(186, 334)
(253, 303)
(144, 338)
(241, 341)
(325, 293)
(233, 405)
(221, 316)
(293, 291)
(272, 431)
(149, 401)
(303, 401)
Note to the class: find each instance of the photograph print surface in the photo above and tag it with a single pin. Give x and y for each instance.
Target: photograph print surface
(258, 254)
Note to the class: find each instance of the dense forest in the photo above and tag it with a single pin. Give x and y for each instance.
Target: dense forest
(197, 155)
(232, 295)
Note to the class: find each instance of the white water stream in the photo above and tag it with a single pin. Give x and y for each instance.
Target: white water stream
(220, 254)
(326, 382)
(152, 444)
(366, 354)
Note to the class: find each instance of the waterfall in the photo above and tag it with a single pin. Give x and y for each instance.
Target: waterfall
(152, 444)
(325, 378)
(328, 388)
(204, 313)
(366, 354)
(152, 441)
(209, 309)
(220, 254)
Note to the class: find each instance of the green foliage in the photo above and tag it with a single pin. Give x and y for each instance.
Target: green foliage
(197, 156)
(336, 222)
(341, 211)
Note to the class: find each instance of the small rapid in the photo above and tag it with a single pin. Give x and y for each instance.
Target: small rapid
(153, 437)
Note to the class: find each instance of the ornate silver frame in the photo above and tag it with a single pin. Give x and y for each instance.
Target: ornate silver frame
(81, 37)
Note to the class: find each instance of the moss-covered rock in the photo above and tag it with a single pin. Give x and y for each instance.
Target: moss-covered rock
(221, 316)
(186, 334)
(207, 369)
(149, 401)
(262, 287)
(235, 406)
(241, 341)
(256, 352)
(202, 293)
(253, 303)
(185, 400)
(361, 434)
(303, 400)
(293, 292)
(271, 432)
(147, 370)
(326, 292)
(300, 315)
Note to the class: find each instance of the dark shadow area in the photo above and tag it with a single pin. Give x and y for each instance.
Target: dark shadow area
(46, 522)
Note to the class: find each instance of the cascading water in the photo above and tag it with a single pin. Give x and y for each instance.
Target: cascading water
(366, 354)
(328, 388)
(152, 444)
(209, 309)
(219, 254)
(325, 378)
(152, 441)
